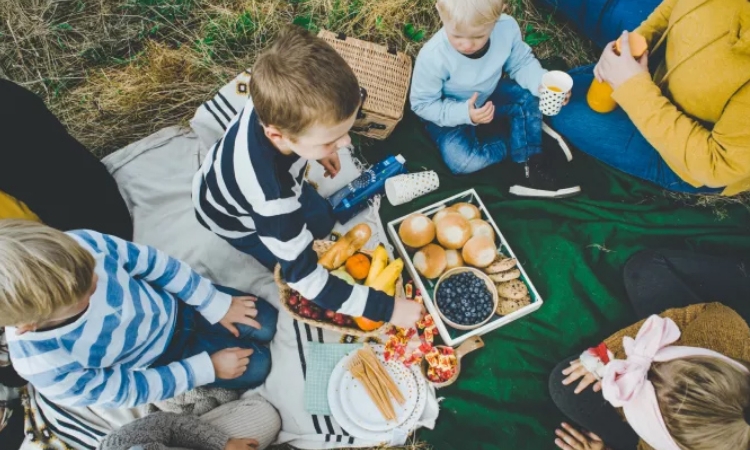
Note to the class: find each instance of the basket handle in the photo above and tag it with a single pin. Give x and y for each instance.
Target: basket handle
(363, 96)
(368, 127)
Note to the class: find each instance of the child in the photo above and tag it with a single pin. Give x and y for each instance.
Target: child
(458, 91)
(93, 320)
(251, 189)
(695, 395)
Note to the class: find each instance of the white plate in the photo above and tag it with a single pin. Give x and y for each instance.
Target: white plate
(337, 410)
(360, 408)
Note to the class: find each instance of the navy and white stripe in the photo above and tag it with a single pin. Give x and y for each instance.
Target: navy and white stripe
(247, 186)
(104, 357)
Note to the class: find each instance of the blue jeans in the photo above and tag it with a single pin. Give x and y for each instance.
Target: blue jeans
(193, 334)
(613, 139)
(603, 21)
(318, 215)
(516, 131)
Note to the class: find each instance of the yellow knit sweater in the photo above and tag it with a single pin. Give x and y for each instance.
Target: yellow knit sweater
(696, 109)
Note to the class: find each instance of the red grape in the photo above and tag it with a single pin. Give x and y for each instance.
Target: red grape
(330, 314)
(305, 311)
(293, 300)
(304, 302)
(316, 315)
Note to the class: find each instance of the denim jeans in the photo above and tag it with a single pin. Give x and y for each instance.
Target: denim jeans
(613, 139)
(516, 131)
(603, 21)
(193, 334)
(318, 215)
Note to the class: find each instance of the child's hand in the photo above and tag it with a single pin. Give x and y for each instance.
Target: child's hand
(231, 363)
(241, 444)
(406, 313)
(571, 439)
(332, 165)
(576, 371)
(482, 115)
(243, 310)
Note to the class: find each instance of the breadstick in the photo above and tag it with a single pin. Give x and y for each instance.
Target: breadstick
(372, 361)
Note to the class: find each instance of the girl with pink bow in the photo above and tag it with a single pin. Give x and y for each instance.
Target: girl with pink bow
(679, 381)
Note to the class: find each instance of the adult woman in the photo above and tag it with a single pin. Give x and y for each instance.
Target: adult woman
(685, 128)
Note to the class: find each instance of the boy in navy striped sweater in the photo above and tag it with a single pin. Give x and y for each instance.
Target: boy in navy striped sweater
(93, 320)
(251, 191)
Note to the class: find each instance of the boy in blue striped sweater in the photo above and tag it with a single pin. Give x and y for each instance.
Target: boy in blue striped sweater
(94, 320)
(251, 191)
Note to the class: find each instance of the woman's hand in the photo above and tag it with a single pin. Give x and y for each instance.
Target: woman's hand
(242, 310)
(577, 371)
(617, 69)
(568, 438)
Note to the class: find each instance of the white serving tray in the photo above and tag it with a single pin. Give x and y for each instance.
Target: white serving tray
(449, 335)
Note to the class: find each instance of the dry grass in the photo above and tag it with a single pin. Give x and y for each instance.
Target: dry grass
(117, 70)
(718, 204)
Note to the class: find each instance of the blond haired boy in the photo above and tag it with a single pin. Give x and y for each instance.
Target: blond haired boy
(476, 117)
(251, 190)
(92, 319)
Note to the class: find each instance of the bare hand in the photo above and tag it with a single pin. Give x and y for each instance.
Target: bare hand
(482, 115)
(331, 164)
(577, 371)
(243, 310)
(571, 439)
(617, 69)
(23, 329)
(406, 313)
(231, 363)
(241, 444)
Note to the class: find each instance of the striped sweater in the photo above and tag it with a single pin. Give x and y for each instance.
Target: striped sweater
(103, 358)
(247, 186)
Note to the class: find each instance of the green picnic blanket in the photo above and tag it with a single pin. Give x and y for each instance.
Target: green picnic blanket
(574, 251)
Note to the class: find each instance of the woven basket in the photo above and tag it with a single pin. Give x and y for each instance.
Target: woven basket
(384, 74)
(285, 292)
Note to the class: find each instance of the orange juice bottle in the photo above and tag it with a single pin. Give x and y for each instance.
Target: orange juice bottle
(599, 96)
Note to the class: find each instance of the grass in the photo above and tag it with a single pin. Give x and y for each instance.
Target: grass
(115, 71)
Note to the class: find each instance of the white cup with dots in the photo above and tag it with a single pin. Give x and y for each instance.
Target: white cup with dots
(555, 87)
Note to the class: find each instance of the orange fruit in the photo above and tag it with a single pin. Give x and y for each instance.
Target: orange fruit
(358, 266)
(638, 45)
(367, 324)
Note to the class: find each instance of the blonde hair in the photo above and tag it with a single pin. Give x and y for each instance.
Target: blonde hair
(471, 13)
(41, 271)
(301, 81)
(703, 401)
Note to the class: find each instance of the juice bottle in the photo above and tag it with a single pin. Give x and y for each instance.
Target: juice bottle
(599, 96)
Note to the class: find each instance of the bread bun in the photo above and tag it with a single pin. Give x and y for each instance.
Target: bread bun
(480, 251)
(453, 259)
(430, 261)
(480, 227)
(467, 210)
(441, 214)
(417, 231)
(453, 231)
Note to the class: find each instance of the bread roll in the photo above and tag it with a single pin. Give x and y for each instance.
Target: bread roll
(416, 231)
(453, 259)
(441, 214)
(467, 210)
(480, 251)
(480, 227)
(345, 247)
(453, 231)
(430, 261)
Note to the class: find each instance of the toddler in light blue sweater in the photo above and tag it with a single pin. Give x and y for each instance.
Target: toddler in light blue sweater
(476, 117)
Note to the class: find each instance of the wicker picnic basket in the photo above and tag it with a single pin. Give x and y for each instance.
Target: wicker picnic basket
(285, 292)
(384, 74)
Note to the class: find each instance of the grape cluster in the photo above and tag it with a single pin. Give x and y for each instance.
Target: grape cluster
(464, 299)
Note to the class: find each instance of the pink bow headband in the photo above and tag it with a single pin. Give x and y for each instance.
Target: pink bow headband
(625, 383)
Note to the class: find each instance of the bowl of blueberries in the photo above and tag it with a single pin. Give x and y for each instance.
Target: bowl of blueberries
(466, 298)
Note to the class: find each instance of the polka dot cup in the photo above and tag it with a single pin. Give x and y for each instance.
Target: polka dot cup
(555, 87)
